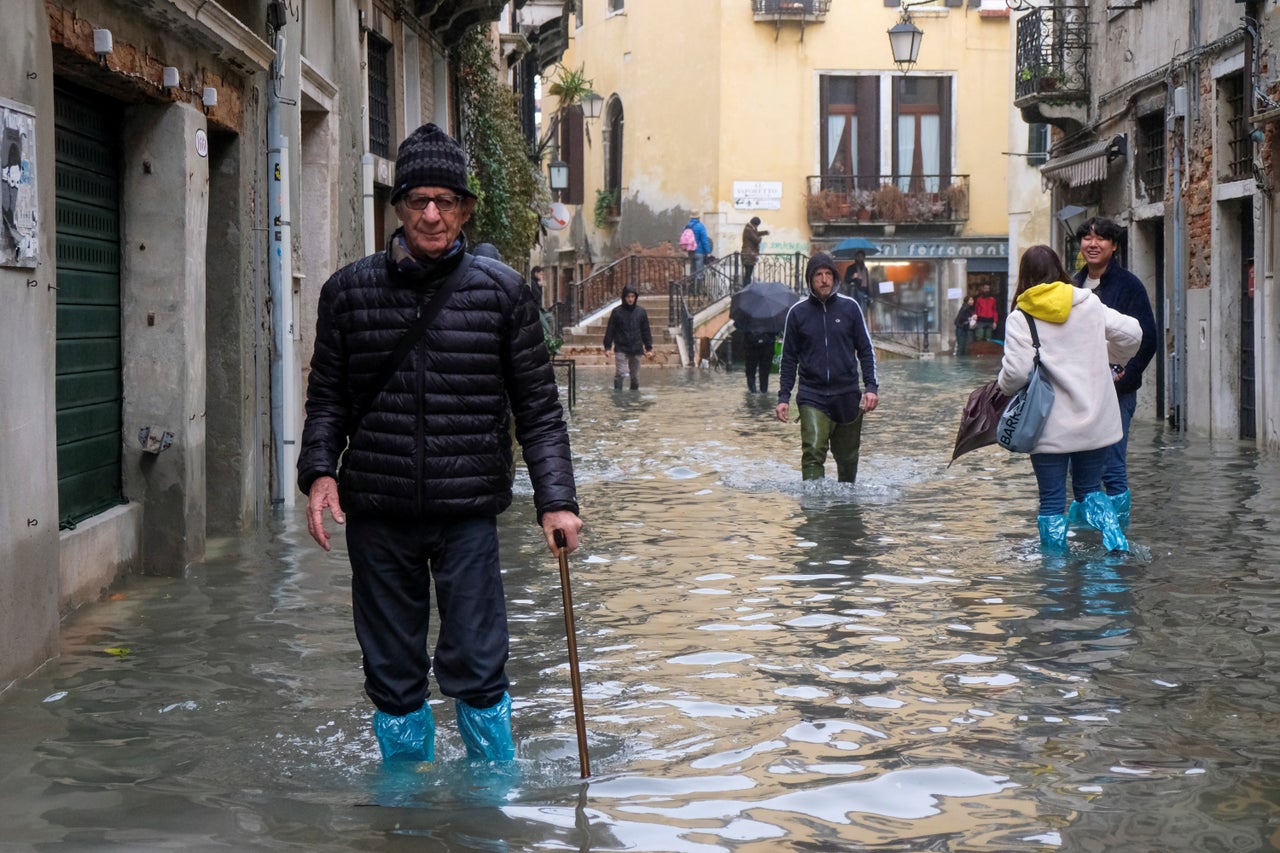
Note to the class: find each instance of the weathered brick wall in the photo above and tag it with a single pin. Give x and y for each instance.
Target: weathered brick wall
(131, 73)
(1200, 179)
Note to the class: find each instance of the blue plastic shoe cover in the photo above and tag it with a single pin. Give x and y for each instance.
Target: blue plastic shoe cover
(408, 738)
(486, 732)
(1120, 503)
(1099, 512)
(1075, 516)
(1053, 532)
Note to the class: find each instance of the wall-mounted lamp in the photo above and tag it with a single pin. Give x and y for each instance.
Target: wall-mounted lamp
(904, 41)
(558, 174)
(1072, 217)
(169, 77)
(592, 104)
(102, 42)
(210, 97)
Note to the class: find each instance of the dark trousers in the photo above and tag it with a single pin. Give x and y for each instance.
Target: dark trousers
(759, 359)
(748, 267)
(393, 564)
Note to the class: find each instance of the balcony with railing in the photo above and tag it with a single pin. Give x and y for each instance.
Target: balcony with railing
(779, 12)
(1051, 82)
(843, 203)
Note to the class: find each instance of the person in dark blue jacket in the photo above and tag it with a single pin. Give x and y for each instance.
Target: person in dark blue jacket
(1122, 291)
(825, 340)
(629, 337)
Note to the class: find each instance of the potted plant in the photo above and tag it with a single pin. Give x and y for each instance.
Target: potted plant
(825, 205)
(889, 203)
(608, 207)
(956, 198)
(860, 203)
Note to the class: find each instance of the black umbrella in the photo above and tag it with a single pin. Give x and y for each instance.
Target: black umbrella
(762, 306)
(979, 420)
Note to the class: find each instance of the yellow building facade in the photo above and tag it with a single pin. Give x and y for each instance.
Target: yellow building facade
(793, 111)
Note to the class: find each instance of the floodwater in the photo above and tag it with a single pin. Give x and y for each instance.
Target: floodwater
(766, 666)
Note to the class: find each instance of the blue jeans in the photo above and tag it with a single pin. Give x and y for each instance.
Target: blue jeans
(1051, 476)
(1115, 475)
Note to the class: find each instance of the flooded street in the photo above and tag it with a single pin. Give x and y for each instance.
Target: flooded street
(766, 666)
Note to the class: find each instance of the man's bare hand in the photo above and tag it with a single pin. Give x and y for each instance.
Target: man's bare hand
(323, 495)
(561, 520)
(869, 401)
(781, 412)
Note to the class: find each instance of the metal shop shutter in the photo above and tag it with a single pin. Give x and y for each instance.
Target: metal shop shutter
(87, 358)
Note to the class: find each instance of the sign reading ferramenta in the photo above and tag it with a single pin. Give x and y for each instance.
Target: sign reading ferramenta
(952, 248)
(757, 195)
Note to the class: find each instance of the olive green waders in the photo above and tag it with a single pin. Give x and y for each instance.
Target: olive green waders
(817, 432)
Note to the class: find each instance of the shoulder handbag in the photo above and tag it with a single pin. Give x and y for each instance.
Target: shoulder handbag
(1025, 416)
(360, 407)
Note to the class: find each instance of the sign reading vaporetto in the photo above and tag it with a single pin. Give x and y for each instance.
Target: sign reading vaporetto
(757, 195)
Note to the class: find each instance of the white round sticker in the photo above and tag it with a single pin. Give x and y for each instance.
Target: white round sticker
(202, 143)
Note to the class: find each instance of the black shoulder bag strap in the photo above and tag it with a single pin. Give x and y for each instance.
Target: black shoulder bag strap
(408, 341)
(1035, 337)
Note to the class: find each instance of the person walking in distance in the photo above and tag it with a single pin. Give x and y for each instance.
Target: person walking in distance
(751, 235)
(825, 341)
(423, 355)
(1122, 290)
(987, 310)
(628, 336)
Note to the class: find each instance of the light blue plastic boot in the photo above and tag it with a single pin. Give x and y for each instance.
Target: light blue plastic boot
(1075, 516)
(486, 732)
(1099, 512)
(1120, 503)
(1053, 533)
(408, 738)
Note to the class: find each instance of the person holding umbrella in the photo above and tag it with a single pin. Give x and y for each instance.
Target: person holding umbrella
(825, 340)
(759, 311)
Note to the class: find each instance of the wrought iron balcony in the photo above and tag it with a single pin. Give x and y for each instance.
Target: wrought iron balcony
(449, 19)
(882, 200)
(805, 11)
(1051, 79)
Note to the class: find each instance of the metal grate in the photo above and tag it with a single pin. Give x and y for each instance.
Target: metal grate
(1150, 155)
(379, 96)
(1239, 145)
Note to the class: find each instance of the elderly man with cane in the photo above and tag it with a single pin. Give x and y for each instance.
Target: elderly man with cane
(423, 355)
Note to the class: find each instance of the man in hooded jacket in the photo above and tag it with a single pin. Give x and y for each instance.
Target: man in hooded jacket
(628, 336)
(825, 340)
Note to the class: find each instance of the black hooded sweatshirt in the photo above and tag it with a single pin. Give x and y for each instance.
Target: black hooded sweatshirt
(628, 329)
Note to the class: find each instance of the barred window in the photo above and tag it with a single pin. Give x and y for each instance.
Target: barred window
(379, 96)
(1150, 155)
(1234, 128)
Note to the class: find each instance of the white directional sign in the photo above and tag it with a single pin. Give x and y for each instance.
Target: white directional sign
(757, 195)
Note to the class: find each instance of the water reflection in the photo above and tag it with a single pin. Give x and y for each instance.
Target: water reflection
(767, 664)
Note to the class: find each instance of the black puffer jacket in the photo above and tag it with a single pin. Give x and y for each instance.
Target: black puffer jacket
(435, 442)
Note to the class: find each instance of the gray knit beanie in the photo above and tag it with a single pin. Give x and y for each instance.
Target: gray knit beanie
(429, 157)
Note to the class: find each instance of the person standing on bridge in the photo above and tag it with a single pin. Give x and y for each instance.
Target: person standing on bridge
(825, 340)
(628, 336)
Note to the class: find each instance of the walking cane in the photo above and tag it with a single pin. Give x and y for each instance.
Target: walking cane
(563, 553)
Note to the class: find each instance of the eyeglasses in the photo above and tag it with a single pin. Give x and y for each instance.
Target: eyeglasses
(443, 203)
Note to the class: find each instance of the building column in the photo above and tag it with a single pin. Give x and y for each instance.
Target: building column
(165, 195)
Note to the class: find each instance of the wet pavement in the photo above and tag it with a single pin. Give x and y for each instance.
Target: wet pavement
(767, 665)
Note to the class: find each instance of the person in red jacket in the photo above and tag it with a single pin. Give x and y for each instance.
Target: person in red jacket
(987, 310)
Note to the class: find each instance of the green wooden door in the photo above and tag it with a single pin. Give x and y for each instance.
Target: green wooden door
(88, 335)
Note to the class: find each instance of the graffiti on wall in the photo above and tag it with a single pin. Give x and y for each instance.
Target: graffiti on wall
(19, 237)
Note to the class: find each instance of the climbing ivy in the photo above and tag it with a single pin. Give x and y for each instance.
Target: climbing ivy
(504, 176)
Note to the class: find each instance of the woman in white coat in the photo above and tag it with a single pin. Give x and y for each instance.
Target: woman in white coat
(1080, 338)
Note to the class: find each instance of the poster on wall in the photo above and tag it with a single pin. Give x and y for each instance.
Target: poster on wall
(19, 237)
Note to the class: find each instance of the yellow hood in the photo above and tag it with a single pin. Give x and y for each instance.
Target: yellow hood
(1050, 301)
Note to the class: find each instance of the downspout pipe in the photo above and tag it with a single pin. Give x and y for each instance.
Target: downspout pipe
(284, 360)
(1178, 375)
